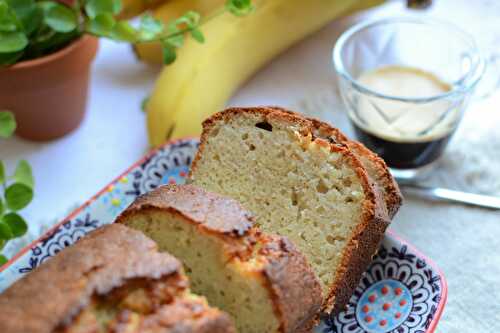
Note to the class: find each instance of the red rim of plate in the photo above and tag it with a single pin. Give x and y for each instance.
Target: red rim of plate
(154, 151)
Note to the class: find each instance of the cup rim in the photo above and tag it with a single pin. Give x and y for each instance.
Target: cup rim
(475, 73)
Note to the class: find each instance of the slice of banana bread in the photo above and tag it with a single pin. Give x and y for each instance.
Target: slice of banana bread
(262, 281)
(113, 280)
(375, 167)
(300, 184)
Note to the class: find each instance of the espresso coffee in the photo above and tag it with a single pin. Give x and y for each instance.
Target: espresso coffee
(405, 134)
(403, 155)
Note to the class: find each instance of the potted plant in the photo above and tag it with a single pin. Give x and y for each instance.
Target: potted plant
(47, 47)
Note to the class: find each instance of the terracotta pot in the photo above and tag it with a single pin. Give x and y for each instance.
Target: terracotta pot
(48, 95)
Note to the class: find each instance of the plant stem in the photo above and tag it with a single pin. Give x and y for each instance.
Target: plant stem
(217, 13)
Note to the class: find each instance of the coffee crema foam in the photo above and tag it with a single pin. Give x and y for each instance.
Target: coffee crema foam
(405, 121)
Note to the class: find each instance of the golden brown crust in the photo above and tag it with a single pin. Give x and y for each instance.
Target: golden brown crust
(382, 176)
(210, 211)
(370, 231)
(292, 285)
(65, 284)
(55, 294)
(289, 282)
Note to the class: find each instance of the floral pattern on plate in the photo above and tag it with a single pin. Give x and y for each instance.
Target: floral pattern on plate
(401, 292)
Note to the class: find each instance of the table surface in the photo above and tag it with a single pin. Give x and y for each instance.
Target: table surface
(463, 241)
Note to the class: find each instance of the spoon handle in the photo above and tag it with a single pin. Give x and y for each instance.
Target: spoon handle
(444, 194)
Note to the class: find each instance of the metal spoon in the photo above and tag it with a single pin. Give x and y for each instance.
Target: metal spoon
(447, 195)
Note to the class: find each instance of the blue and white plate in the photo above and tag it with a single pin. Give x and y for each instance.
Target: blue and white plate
(401, 292)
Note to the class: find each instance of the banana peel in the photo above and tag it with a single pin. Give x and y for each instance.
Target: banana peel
(205, 76)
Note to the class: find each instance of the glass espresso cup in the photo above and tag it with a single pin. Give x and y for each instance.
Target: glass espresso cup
(405, 83)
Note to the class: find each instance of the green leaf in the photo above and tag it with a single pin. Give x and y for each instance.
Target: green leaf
(7, 59)
(169, 54)
(191, 18)
(198, 35)
(16, 5)
(2, 208)
(7, 124)
(3, 260)
(12, 41)
(7, 20)
(150, 27)
(4, 9)
(45, 33)
(124, 31)
(46, 5)
(48, 40)
(20, 7)
(239, 7)
(16, 223)
(18, 196)
(61, 18)
(5, 232)
(144, 103)
(7, 25)
(175, 41)
(2, 173)
(96, 7)
(118, 6)
(32, 20)
(2, 243)
(176, 37)
(23, 174)
(28, 13)
(101, 25)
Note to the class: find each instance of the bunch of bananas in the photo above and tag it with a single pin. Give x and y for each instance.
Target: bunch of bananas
(204, 76)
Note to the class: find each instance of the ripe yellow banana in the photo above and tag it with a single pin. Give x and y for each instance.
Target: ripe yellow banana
(131, 8)
(151, 52)
(205, 76)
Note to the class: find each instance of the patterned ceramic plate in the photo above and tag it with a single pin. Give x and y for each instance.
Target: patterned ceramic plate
(401, 292)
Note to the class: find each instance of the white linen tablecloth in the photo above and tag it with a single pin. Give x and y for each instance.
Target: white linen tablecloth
(463, 241)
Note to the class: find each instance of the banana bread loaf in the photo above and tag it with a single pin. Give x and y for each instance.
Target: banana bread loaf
(303, 180)
(262, 281)
(113, 280)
